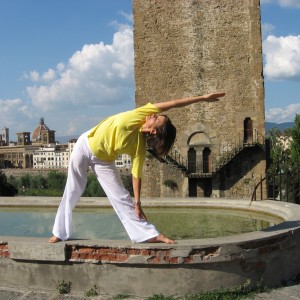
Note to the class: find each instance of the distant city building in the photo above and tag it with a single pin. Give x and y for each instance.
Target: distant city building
(123, 161)
(4, 137)
(41, 151)
(51, 157)
(42, 134)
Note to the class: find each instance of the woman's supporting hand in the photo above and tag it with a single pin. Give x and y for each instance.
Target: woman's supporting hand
(139, 212)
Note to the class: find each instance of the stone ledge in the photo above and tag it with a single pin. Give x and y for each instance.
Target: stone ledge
(197, 251)
(27, 250)
(186, 252)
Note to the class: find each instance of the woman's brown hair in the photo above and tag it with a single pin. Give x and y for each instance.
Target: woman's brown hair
(162, 142)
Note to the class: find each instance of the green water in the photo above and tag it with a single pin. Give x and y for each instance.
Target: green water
(102, 223)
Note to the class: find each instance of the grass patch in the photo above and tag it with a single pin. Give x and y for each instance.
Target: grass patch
(63, 287)
(240, 292)
(91, 292)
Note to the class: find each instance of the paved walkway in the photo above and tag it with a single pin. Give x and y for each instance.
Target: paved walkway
(285, 293)
(9, 293)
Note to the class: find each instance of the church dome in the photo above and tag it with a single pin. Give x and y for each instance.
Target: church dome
(37, 133)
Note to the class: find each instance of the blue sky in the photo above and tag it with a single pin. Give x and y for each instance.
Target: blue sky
(71, 62)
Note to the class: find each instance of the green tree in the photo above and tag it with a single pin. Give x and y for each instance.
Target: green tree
(295, 144)
(93, 188)
(54, 184)
(275, 151)
(56, 180)
(284, 170)
(38, 182)
(14, 181)
(6, 188)
(25, 180)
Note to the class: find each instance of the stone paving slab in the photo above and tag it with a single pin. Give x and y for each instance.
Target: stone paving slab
(286, 293)
(9, 293)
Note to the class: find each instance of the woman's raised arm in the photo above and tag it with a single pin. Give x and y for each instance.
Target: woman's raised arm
(163, 106)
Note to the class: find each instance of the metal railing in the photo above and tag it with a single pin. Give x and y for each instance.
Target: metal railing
(226, 153)
(229, 150)
(285, 185)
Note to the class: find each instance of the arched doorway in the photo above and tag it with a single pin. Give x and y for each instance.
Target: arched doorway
(193, 187)
(248, 131)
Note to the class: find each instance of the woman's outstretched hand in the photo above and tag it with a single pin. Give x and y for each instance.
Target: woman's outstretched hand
(213, 97)
(163, 106)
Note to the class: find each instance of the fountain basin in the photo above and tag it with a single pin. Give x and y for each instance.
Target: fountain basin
(269, 256)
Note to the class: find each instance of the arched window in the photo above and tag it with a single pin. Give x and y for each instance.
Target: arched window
(207, 160)
(192, 160)
(199, 153)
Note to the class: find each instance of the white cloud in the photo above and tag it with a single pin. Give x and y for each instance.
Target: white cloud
(289, 3)
(279, 115)
(98, 74)
(128, 17)
(283, 3)
(48, 76)
(267, 29)
(282, 57)
(13, 113)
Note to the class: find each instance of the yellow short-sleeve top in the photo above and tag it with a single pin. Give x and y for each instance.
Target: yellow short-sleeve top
(121, 134)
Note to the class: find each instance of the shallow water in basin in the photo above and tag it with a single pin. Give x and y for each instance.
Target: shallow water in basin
(102, 223)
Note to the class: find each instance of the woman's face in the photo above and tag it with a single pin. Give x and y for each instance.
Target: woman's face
(153, 122)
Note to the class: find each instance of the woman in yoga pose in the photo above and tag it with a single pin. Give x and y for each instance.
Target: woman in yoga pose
(125, 133)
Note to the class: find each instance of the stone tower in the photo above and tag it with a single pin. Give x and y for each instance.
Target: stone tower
(193, 47)
(5, 136)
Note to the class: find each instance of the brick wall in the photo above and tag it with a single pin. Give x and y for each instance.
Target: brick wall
(4, 253)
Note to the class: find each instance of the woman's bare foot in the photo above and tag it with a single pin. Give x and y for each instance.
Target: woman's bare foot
(161, 238)
(54, 239)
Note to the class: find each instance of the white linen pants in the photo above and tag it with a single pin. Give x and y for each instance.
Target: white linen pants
(110, 180)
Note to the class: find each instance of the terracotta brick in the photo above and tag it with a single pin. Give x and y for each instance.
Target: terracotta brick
(4, 246)
(5, 254)
(105, 257)
(86, 250)
(75, 255)
(121, 258)
(102, 250)
(136, 251)
(154, 260)
(188, 260)
(173, 260)
(145, 252)
(163, 252)
(4, 250)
